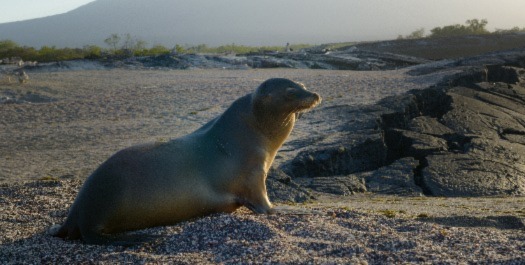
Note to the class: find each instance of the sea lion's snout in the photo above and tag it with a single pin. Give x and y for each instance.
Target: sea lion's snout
(311, 100)
(316, 99)
(302, 96)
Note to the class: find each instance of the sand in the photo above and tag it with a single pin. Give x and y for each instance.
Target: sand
(97, 113)
(92, 114)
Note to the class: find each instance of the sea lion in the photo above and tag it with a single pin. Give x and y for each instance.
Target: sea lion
(217, 168)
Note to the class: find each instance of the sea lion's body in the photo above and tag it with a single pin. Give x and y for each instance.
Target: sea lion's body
(217, 168)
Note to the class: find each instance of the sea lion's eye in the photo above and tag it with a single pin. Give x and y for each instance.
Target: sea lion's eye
(291, 93)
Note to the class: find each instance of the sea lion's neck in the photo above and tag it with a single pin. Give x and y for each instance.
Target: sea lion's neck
(272, 123)
(266, 128)
(274, 127)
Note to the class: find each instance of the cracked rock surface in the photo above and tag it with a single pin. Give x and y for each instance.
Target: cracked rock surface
(463, 137)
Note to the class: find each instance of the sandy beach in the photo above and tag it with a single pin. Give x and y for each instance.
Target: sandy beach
(96, 113)
(82, 117)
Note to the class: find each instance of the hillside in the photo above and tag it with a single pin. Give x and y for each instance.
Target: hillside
(173, 22)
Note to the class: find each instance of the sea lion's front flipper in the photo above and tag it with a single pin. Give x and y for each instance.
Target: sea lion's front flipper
(256, 208)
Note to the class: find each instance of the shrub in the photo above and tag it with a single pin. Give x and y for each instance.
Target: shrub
(92, 52)
(472, 27)
(507, 31)
(158, 50)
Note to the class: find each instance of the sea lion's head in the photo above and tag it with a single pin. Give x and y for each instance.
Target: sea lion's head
(279, 98)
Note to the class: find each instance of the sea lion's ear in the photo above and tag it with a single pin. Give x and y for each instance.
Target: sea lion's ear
(267, 98)
(262, 100)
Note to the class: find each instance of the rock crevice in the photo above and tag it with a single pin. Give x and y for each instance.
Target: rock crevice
(464, 137)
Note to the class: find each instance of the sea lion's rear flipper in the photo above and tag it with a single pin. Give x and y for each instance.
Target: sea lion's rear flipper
(65, 231)
(57, 231)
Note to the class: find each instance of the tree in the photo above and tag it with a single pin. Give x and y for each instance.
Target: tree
(129, 42)
(9, 48)
(472, 27)
(112, 41)
(451, 30)
(7, 45)
(140, 47)
(417, 34)
(476, 26)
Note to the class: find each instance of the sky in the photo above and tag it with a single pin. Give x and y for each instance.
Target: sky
(362, 19)
(502, 12)
(17, 10)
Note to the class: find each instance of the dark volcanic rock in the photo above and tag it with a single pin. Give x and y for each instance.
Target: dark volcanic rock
(369, 155)
(187, 61)
(339, 185)
(353, 142)
(465, 137)
(281, 188)
(396, 178)
(475, 148)
(490, 116)
(350, 59)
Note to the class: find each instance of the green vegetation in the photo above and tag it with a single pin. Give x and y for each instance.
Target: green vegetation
(122, 46)
(471, 27)
(10, 49)
(512, 30)
(113, 41)
(417, 34)
(238, 49)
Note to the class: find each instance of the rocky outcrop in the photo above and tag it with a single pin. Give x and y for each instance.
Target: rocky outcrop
(490, 159)
(281, 188)
(464, 137)
(350, 59)
(472, 144)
